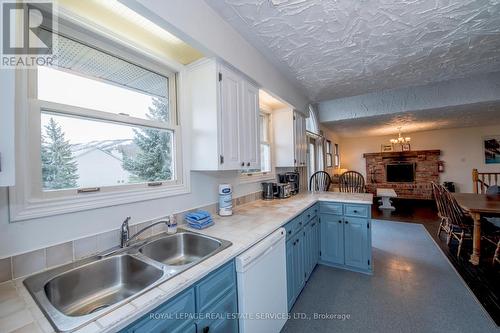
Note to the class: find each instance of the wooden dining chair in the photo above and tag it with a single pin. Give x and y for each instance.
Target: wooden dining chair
(320, 181)
(438, 193)
(352, 181)
(458, 222)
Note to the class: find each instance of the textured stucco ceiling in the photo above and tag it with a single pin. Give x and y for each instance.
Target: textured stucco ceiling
(478, 114)
(338, 48)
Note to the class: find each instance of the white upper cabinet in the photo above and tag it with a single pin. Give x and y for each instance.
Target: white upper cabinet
(289, 138)
(225, 118)
(249, 128)
(230, 114)
(7, 110)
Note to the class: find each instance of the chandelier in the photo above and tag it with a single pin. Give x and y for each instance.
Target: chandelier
(400, 139)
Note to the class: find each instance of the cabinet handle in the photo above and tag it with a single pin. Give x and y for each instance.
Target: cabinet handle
(242, 163)
(355, 211)
(248, 164)
(289, 232)
(340, 221)
(308, 215)
(346, 222)
(206, 329)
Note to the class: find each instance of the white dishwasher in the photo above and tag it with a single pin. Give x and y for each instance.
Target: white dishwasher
(261, 276)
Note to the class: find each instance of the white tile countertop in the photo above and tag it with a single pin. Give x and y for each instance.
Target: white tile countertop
(249, 224)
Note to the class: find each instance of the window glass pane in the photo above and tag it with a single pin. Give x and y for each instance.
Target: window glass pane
(265, 157)
(264, 127)
(69, 88)
(80, 152)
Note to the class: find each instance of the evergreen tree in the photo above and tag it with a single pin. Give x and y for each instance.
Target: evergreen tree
(154, 159)
(59, 169)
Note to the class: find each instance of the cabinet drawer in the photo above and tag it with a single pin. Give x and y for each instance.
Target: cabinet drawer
(168, 317)
(331, 208)
(213, 287)
(356, 210)
(293, 226)
(309, 213)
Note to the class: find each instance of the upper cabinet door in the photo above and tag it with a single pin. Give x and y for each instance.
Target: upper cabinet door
(230, 97)
(249, 128)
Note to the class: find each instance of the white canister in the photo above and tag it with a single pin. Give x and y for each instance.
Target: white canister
(225, 200)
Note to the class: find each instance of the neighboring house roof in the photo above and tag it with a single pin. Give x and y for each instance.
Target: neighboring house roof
(110, 147)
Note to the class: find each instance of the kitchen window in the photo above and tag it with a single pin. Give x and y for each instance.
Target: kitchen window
(106, 128)
(266, 170)
(265, 142)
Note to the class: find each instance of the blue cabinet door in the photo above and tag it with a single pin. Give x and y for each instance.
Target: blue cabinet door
(315, 241)
(290, 272)
(299, 263)
(168, 317)
(356, 242)
(332, 239)
(307, 251)
(222, 317)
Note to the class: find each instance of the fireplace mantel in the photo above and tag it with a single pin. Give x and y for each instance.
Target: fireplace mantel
(426, 171)
(395, 154)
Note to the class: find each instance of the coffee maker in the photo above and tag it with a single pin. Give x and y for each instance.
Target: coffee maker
(292, 178)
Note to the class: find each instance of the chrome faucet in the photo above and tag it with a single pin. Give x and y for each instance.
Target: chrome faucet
(125, 232)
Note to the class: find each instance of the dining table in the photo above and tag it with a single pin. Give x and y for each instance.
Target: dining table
(478, 205)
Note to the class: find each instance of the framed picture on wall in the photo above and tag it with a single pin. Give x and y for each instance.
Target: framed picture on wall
(386, 148)
(329, 163)
(491, 148)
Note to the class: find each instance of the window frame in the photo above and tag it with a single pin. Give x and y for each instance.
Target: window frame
(259, 176)
(27, 198)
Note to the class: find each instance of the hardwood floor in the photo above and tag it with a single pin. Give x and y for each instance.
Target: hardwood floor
(483, 280)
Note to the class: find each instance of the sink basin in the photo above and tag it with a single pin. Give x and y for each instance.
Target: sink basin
(183, 248)
(72, 295)
(95, 286)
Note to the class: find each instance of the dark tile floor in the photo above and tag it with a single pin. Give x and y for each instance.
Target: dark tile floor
(413, 289)
(483, 280)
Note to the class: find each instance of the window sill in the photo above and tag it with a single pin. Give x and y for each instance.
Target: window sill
(31, 208)
(257, 177)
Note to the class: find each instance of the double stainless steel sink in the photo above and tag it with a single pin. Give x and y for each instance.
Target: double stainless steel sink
(72, 295)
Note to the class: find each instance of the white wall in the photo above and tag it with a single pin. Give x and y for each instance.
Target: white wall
(29, 235)
(461, 150)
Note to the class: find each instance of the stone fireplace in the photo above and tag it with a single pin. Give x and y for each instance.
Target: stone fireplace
(426, 170)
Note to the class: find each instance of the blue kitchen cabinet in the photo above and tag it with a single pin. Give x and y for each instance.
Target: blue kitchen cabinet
(356, 244)
(307, 234)
(301, 246)
(168, 317)
(209, 306)
(221, 318)
(332, 239)
(316, 241)
(346, 238)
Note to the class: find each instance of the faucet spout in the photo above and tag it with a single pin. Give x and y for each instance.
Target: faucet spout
(125, 233)
(126, 238)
